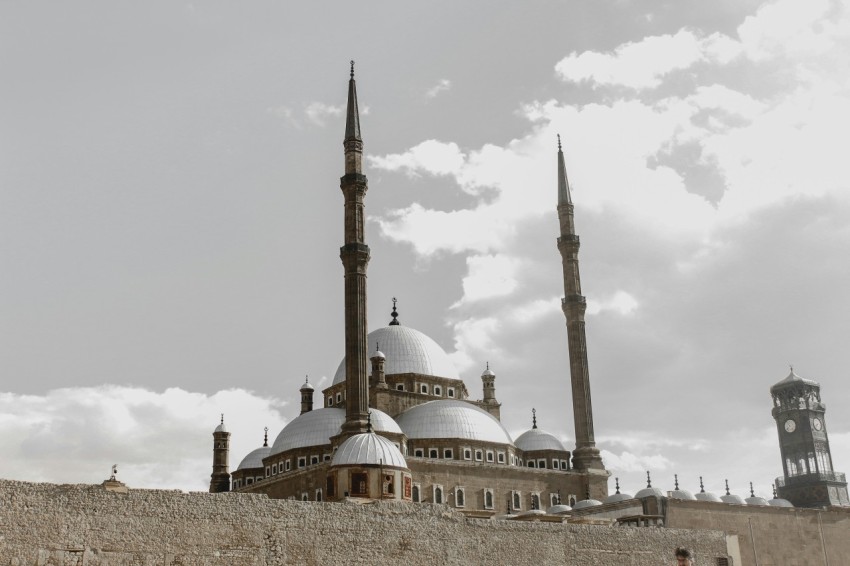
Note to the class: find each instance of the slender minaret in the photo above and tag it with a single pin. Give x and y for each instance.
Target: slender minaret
(586, 455)
(306, 396)
(220, 478)
(355, 258)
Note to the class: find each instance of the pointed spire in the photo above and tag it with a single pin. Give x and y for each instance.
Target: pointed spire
(266, 437)
(563, 183)
(534, 418)
(394, 314)
(352, 115)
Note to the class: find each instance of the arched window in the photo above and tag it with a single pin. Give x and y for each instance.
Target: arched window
(460, 498)
(488, 499)
(535, 501)
(517, 500)
(438, 494)
(416, 493)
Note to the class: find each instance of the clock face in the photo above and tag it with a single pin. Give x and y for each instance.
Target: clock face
(817, 424)
(790, 426)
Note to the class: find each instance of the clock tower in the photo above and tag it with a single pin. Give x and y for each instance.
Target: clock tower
(809, 480)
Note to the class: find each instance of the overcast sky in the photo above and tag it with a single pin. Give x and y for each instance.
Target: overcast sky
(170, 220)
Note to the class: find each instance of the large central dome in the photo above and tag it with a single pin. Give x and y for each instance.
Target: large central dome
(407, 351)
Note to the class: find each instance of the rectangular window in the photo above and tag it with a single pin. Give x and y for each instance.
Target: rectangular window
(268, 471)
(565, 464)
(423, 388)
(530, 463)
(359, 483)
(330, 401)
(467, 454)
(314, 460)
(535, 500)
(399, 387)
(541, 463)
(274, 469)
(448, 454)
(326, 457)
(288, 465)
(516, 500)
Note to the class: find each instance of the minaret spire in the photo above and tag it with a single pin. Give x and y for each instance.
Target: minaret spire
(586, 455)
(355, 257)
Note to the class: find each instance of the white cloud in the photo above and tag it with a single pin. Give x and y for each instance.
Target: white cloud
(442, 86)
(489, 276)
(620, 302)
(157, 439)
(473, 335)
(285, 113)
(431, 156)
(319, 112)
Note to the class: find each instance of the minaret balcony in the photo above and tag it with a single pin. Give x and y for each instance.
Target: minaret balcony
(573, 299)
(804, 479)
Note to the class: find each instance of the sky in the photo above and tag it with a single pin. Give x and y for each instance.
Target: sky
(170, 220)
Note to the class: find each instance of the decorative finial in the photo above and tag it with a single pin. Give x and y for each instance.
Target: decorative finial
(617, 483)
(559, 497)
(377, 346)
(752, 493)
(352, 68)
(648, 480)
(676, 481)
(222, 418)
(534, 418)
(701, 487)
(394, 314)
(114, 472)
(369, 421)
(727, 487)
(559, 142)
(488, 365)
(774, 491)
(307, 378)
(265, 436)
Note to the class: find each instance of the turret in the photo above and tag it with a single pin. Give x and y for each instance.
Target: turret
(378, 358)
(488, 379)
(220, 478)
(306, 396)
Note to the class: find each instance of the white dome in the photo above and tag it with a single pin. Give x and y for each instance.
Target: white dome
(615, 497)
(254, 459)
(734, 499)
(707, 496)
(368, 449)
(777, 502)
(558, 509)
(406, 351)
(536, 439)
(584, 503)
(649, 492)
(315, 428)
(682, 494)
(452, 419)
(756, 500)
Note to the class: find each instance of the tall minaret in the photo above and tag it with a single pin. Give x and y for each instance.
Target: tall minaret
(220, 478)
(585, 455)
(355, 258)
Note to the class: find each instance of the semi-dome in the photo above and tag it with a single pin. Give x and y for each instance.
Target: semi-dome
(406, 351)
(452, 419)
(315, 428)
(366, 449)
(536, 439)
(254, 459)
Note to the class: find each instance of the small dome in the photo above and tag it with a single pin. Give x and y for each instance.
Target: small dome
(220, 428)
(682, 494)
(315, 428)
(777, 502)
(254, 459)
(377, 354)
(559, 509)
(585, 503)
(366, 449)
(536, 439)
(488, 372)
(306, 386)
(755, 500)
(707, 496)
(452, 419)
(407, 351)
(733, 499)
(616, 497)
(649, 492)
(791, 379)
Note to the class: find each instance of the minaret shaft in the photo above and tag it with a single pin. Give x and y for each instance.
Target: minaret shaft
(355, 258)
(574, 305)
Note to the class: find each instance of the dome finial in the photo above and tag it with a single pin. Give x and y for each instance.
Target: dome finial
(394, 314)
(701, 487)
(559, 142)
(352, 68)
(266, 436)
(727, 487)
(774, 491)
(369, 421)
(676, 481)
(617, 483)
(648, 480)
(222, 418)
(307, 378)
(534, 418)
(752, 493)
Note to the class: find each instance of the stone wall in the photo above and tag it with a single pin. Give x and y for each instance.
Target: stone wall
(772, 536)
(45, 524)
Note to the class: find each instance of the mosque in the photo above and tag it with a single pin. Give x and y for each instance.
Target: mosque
(398, 423)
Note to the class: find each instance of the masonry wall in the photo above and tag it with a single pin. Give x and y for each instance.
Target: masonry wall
(46, 524)
(772, 536)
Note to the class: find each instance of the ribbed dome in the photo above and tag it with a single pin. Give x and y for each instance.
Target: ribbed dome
(315, 428)
(368, 449)
(452, 419)
(536, 439)
(406, 351)
(254, 459)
